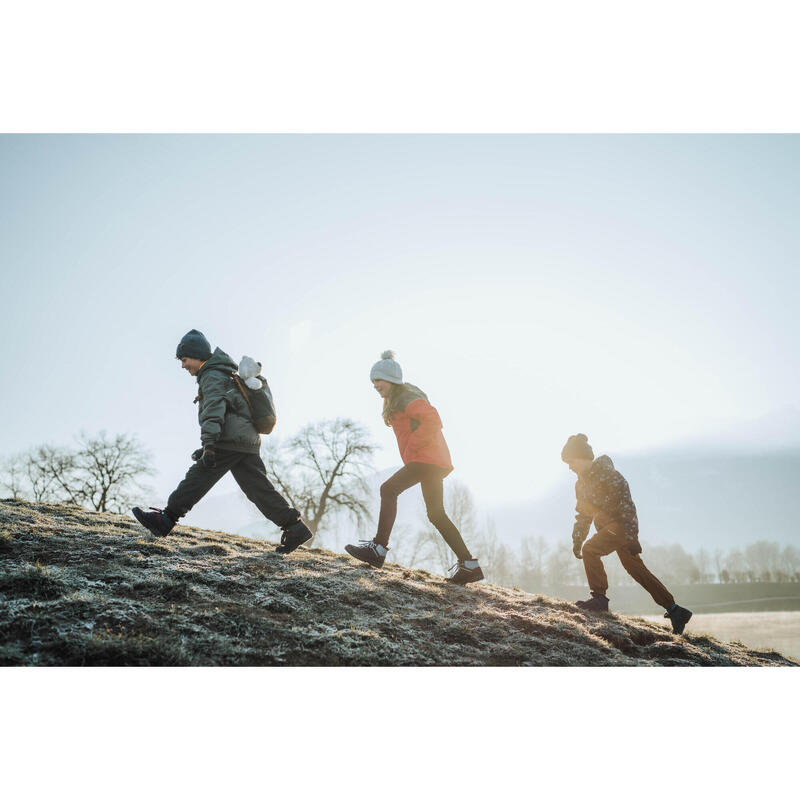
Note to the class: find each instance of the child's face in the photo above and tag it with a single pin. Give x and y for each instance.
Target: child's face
(579, 465)
(382, 387)
(191, 365)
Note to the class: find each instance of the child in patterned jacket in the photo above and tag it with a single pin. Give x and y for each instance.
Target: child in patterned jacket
(603, 497)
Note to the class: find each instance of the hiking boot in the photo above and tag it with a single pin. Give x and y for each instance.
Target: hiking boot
(465, 572)
(155, 520)
(678, 616)
(597, 602)
(369, 552)
(293, 536)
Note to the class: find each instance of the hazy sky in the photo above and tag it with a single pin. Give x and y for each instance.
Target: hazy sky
(642, 289)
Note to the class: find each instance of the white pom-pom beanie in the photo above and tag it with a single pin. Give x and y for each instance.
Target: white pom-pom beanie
(387, 369)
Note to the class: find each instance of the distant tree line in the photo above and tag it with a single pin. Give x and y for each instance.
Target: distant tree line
(101, 472)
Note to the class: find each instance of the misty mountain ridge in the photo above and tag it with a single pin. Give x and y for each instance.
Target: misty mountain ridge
(692, 497)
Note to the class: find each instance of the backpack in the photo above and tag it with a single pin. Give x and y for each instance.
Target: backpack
(260, 403)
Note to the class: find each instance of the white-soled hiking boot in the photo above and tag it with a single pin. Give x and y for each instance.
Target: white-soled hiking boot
(369, 552)
(465, 572)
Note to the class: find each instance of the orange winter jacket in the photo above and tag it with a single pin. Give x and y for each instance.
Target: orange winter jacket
(418, 428)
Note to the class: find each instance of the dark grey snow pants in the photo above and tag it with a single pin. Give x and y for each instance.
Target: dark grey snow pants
(248, 471)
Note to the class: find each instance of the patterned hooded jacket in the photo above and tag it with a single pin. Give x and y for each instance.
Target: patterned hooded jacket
(603, 497)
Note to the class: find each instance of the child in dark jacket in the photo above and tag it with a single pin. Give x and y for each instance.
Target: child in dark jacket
(230, 442)
(603, 497)
(426, 460)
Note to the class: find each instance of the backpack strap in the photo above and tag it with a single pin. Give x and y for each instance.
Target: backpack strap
(237, 381)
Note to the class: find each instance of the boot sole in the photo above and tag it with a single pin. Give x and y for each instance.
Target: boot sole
(592, 610)
(468, 580)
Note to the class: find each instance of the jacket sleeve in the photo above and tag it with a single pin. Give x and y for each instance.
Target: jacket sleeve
(620, 504)
(213, 387)
(583, 521)
(428, 423)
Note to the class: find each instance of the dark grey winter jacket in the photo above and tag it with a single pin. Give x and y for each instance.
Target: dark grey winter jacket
(225, 422)
(603, 496)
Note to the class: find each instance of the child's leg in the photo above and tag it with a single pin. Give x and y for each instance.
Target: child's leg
(601, 544)
(402, 479)
(197, 483)
(433, 493)
(636, 568)
(251, 475)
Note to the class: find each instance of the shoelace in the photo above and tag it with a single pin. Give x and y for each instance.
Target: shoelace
(455, 568)
(367, 543)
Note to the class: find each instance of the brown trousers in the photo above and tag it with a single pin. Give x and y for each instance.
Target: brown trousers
(607, 541)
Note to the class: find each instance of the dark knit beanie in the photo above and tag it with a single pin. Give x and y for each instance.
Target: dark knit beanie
(577, 446)
(194, 345)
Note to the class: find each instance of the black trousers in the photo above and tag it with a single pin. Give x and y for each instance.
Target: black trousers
(248, 471)
(430, 478)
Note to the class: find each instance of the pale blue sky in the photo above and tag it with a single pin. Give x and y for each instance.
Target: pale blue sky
(642, 289)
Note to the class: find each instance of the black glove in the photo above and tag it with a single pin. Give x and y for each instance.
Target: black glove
(576, 548)
(198, 454)
(634, 548)
(209, 458)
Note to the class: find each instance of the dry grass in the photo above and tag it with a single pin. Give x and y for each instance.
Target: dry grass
(84, 588)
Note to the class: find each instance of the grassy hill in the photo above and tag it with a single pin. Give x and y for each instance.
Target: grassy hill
(84, 588)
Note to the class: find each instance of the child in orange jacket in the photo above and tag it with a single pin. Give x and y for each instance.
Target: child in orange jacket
(426, 460)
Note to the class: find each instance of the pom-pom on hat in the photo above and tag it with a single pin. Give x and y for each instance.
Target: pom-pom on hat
(387, 369)
(194, 345)
(577, 446)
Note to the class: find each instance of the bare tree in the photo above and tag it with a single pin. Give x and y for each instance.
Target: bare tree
(321, 470)
(531, 572)
(12, 476)
(790, 557)
(108, 471)
(559, 564)
(719, 560)
(703, 561)
(735, 566)
(51, 474)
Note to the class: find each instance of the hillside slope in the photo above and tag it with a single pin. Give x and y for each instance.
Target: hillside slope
(84, 588)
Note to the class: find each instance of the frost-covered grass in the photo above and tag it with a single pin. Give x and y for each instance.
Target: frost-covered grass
(84, 588)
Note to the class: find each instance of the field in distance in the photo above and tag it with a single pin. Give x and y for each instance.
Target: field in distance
(758, 629)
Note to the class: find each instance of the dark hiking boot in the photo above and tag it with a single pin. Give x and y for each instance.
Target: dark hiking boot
(465, 572)
(679, 616)
(597, 602)
(155, 520)
(368, 552)
(293, 536)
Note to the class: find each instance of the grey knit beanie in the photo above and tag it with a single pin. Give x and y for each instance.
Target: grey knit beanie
(577, 446)
(194, 345)
(387, 369)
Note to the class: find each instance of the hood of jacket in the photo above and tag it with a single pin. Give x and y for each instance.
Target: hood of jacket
(601, 466)
(219, 360)
(408, 395)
